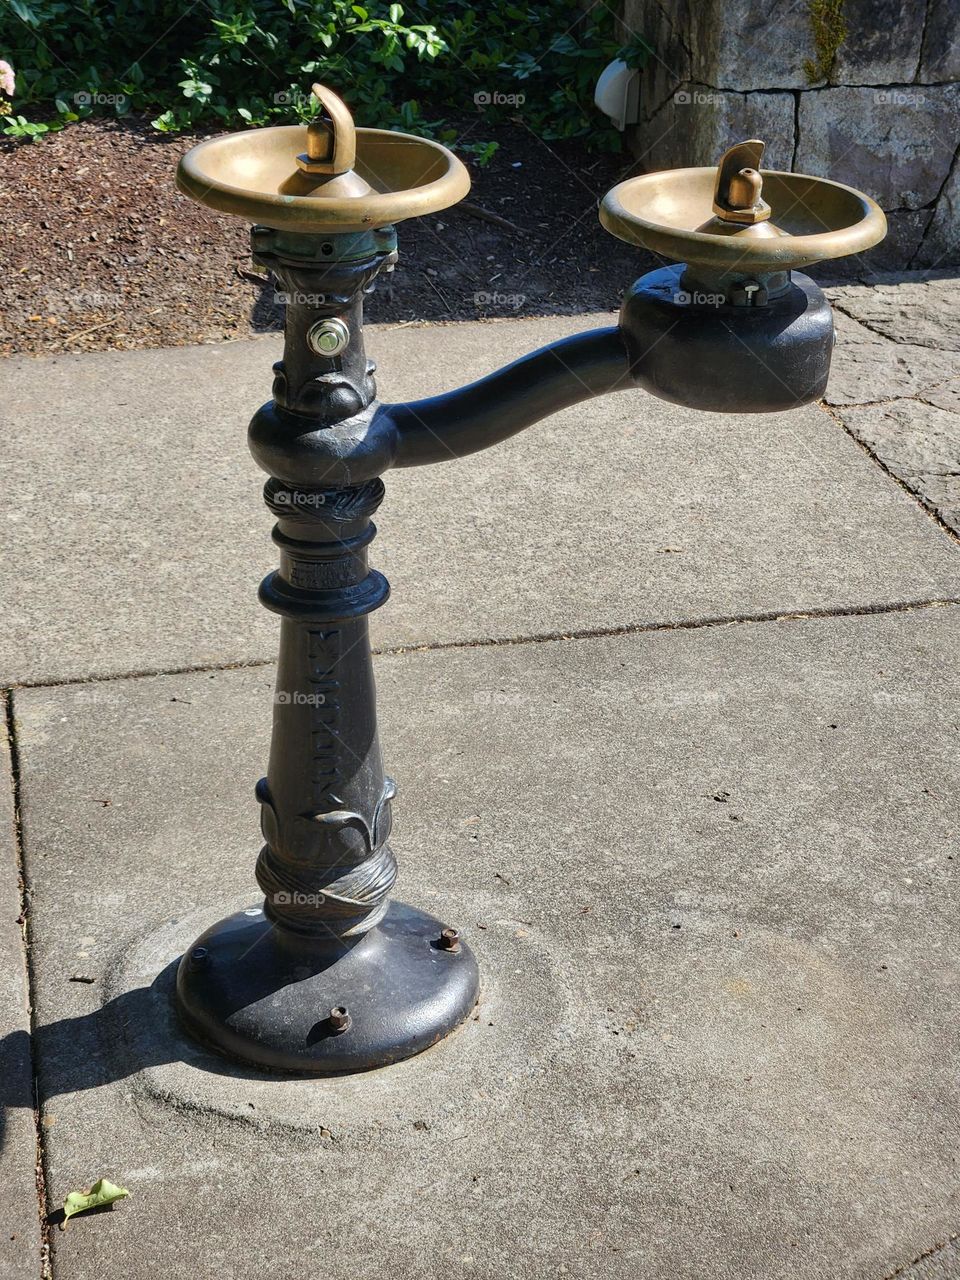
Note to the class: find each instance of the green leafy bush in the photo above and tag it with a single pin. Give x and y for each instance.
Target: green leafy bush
(252, 61)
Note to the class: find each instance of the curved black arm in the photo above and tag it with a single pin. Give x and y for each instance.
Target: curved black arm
(486, 412)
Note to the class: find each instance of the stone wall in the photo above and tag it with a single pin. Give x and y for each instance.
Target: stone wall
(883, 114)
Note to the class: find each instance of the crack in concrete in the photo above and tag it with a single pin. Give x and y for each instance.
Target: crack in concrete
(25, 933)
(692, 624)
(542, 637)
(923, 397)
(867, 404)
(855, 340)
(921, 1257)
(140, 673)
(917, 497)
(838, 306)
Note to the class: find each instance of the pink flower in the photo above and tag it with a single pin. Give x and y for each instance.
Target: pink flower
(7, 82)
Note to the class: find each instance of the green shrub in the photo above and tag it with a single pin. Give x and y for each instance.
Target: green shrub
(253, 61)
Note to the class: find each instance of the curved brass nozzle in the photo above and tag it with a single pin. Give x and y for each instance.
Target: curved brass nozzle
(331, 136)
(737, 193)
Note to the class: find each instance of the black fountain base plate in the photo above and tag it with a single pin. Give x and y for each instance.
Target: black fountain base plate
(261, 995)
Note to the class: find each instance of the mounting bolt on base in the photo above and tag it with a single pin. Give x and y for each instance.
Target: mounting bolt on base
(297, 1002)
(339, 1019)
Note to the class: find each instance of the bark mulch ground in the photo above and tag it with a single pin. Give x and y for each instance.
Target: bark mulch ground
(101, 252)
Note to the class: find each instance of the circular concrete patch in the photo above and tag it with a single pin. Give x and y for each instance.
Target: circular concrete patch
(523, 1020)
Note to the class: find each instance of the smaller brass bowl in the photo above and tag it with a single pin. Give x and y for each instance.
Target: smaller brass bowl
(255, 175)
(811, 219)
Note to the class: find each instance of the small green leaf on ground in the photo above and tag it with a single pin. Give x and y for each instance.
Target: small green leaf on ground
(101, 1193)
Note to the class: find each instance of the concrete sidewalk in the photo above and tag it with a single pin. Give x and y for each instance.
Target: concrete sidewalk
(133, 486)
(708, 869)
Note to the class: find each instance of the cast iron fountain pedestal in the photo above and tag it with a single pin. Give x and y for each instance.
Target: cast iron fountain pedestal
(331, 974)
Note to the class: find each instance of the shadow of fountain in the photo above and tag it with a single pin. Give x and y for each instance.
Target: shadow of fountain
(136, 1030)
(266, 313)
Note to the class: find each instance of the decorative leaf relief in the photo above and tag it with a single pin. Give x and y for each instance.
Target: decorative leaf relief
(269, 822)
(339, 819)
(373, 835)
(382, 815)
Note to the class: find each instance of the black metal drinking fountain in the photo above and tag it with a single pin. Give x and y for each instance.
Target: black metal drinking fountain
(331, 974)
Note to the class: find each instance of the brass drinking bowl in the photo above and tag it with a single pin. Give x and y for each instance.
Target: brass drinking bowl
(682, 215)
(325, 177)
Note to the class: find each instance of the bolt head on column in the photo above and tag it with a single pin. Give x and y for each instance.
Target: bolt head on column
(328, 337)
